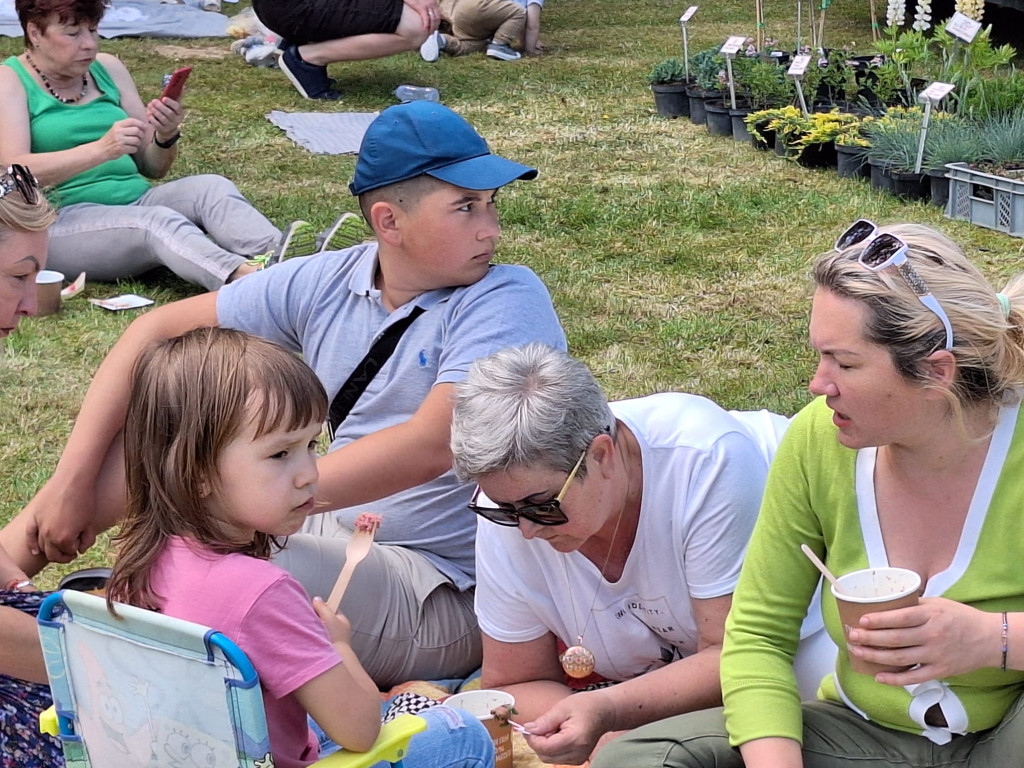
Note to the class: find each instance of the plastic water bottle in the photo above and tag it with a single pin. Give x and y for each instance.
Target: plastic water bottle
(406, 93)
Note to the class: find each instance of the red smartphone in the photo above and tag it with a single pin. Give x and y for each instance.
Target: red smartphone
(176, 84)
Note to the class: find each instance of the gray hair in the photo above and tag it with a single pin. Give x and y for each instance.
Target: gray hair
(528, 406)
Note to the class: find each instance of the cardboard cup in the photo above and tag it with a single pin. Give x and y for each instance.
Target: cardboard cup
(48, 285)
(480, 704)
(870, 591)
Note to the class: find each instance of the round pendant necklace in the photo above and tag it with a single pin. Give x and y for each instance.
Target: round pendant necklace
(578, 661)
(49, 87)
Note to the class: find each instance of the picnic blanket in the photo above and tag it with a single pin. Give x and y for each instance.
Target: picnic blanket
(324, 133)
(140, 18)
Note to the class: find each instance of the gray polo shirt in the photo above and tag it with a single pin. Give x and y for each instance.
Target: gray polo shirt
(326, 308)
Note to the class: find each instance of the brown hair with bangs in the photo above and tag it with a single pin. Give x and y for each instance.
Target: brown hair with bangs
(41, 13)
(190, 397)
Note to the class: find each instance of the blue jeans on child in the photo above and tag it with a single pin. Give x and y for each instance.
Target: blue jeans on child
(453, 739)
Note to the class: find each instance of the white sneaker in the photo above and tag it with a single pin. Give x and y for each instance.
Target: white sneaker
(210, 5)
(431, 47)
(503, 52)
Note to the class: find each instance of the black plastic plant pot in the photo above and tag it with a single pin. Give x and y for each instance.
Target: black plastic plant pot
(818, 155)
(718, 119)
(670, 99)
(881, 178)
(852, 163)
(698, 97)
(767, 141)
(938, 187)
(911, 186)
(739, 124)
(784, 148)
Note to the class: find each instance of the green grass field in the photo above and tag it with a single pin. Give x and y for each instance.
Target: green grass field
(676, 260)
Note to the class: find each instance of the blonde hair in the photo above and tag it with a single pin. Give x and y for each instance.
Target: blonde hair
(988, 345)
(190, 397)
(17, 214)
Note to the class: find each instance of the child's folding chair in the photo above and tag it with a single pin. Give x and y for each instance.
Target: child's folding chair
(148, 690)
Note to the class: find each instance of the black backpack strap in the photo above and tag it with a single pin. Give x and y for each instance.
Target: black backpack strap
(367, 368)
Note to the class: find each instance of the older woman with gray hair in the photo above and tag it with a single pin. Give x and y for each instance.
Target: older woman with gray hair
(611, 543)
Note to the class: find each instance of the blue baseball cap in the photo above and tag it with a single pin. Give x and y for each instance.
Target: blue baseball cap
(424, 137)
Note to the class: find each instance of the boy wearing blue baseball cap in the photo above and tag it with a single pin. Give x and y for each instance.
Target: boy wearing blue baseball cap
(391, 325)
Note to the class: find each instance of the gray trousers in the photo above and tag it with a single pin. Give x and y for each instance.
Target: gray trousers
(408, 621)
(834, 737)
(200, 227)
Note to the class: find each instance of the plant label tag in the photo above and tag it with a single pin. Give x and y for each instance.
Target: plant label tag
(799, 66)
(963, 27)
(733, 44)
(688, 14)
(936, 92)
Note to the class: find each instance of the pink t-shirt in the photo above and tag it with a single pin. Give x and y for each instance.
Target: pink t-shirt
(268, 615)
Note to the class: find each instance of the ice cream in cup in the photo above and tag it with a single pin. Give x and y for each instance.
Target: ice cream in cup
(872, 590)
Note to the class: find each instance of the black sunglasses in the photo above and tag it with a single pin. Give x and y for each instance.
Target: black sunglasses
(18, 178)
(545, 513)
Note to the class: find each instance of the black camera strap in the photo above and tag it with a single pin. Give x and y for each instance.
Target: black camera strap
(367, 368)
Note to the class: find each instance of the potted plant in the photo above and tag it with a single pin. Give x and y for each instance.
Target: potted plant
(757, 126)
(816, 148)
(906, 59)
(764, 84)
(789, 125)
(949, 141)
(668, 83)
(851, 150)
(894, 140)
(705, 69)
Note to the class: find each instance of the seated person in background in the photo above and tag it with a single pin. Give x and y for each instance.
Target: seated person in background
(426, 183)
(243, 416)
(74, 116)
(911, 456)
(494, 26)
(320, 32)
(620, 533)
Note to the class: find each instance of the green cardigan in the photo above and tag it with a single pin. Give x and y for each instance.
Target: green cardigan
(821, 493)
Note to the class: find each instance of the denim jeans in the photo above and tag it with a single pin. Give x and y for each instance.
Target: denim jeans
(453, 739)
(200, 227)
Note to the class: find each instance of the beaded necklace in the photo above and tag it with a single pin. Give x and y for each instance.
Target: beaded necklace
(57, 96)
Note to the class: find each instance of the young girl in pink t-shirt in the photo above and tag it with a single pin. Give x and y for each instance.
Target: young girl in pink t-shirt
(220, 456)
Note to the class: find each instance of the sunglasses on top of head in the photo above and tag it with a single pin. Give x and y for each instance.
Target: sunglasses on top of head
(18, 178)
(882, 250)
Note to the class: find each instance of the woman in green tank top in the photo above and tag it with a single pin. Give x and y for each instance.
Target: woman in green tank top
(75, 116)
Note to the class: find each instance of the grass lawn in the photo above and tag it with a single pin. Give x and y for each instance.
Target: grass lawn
(677, 261)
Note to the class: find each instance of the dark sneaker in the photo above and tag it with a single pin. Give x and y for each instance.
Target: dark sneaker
(432, 47)
(503, 52)
(309, 80)
(346, 231)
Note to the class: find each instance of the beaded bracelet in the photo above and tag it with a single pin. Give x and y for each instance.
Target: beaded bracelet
(1006, 645)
